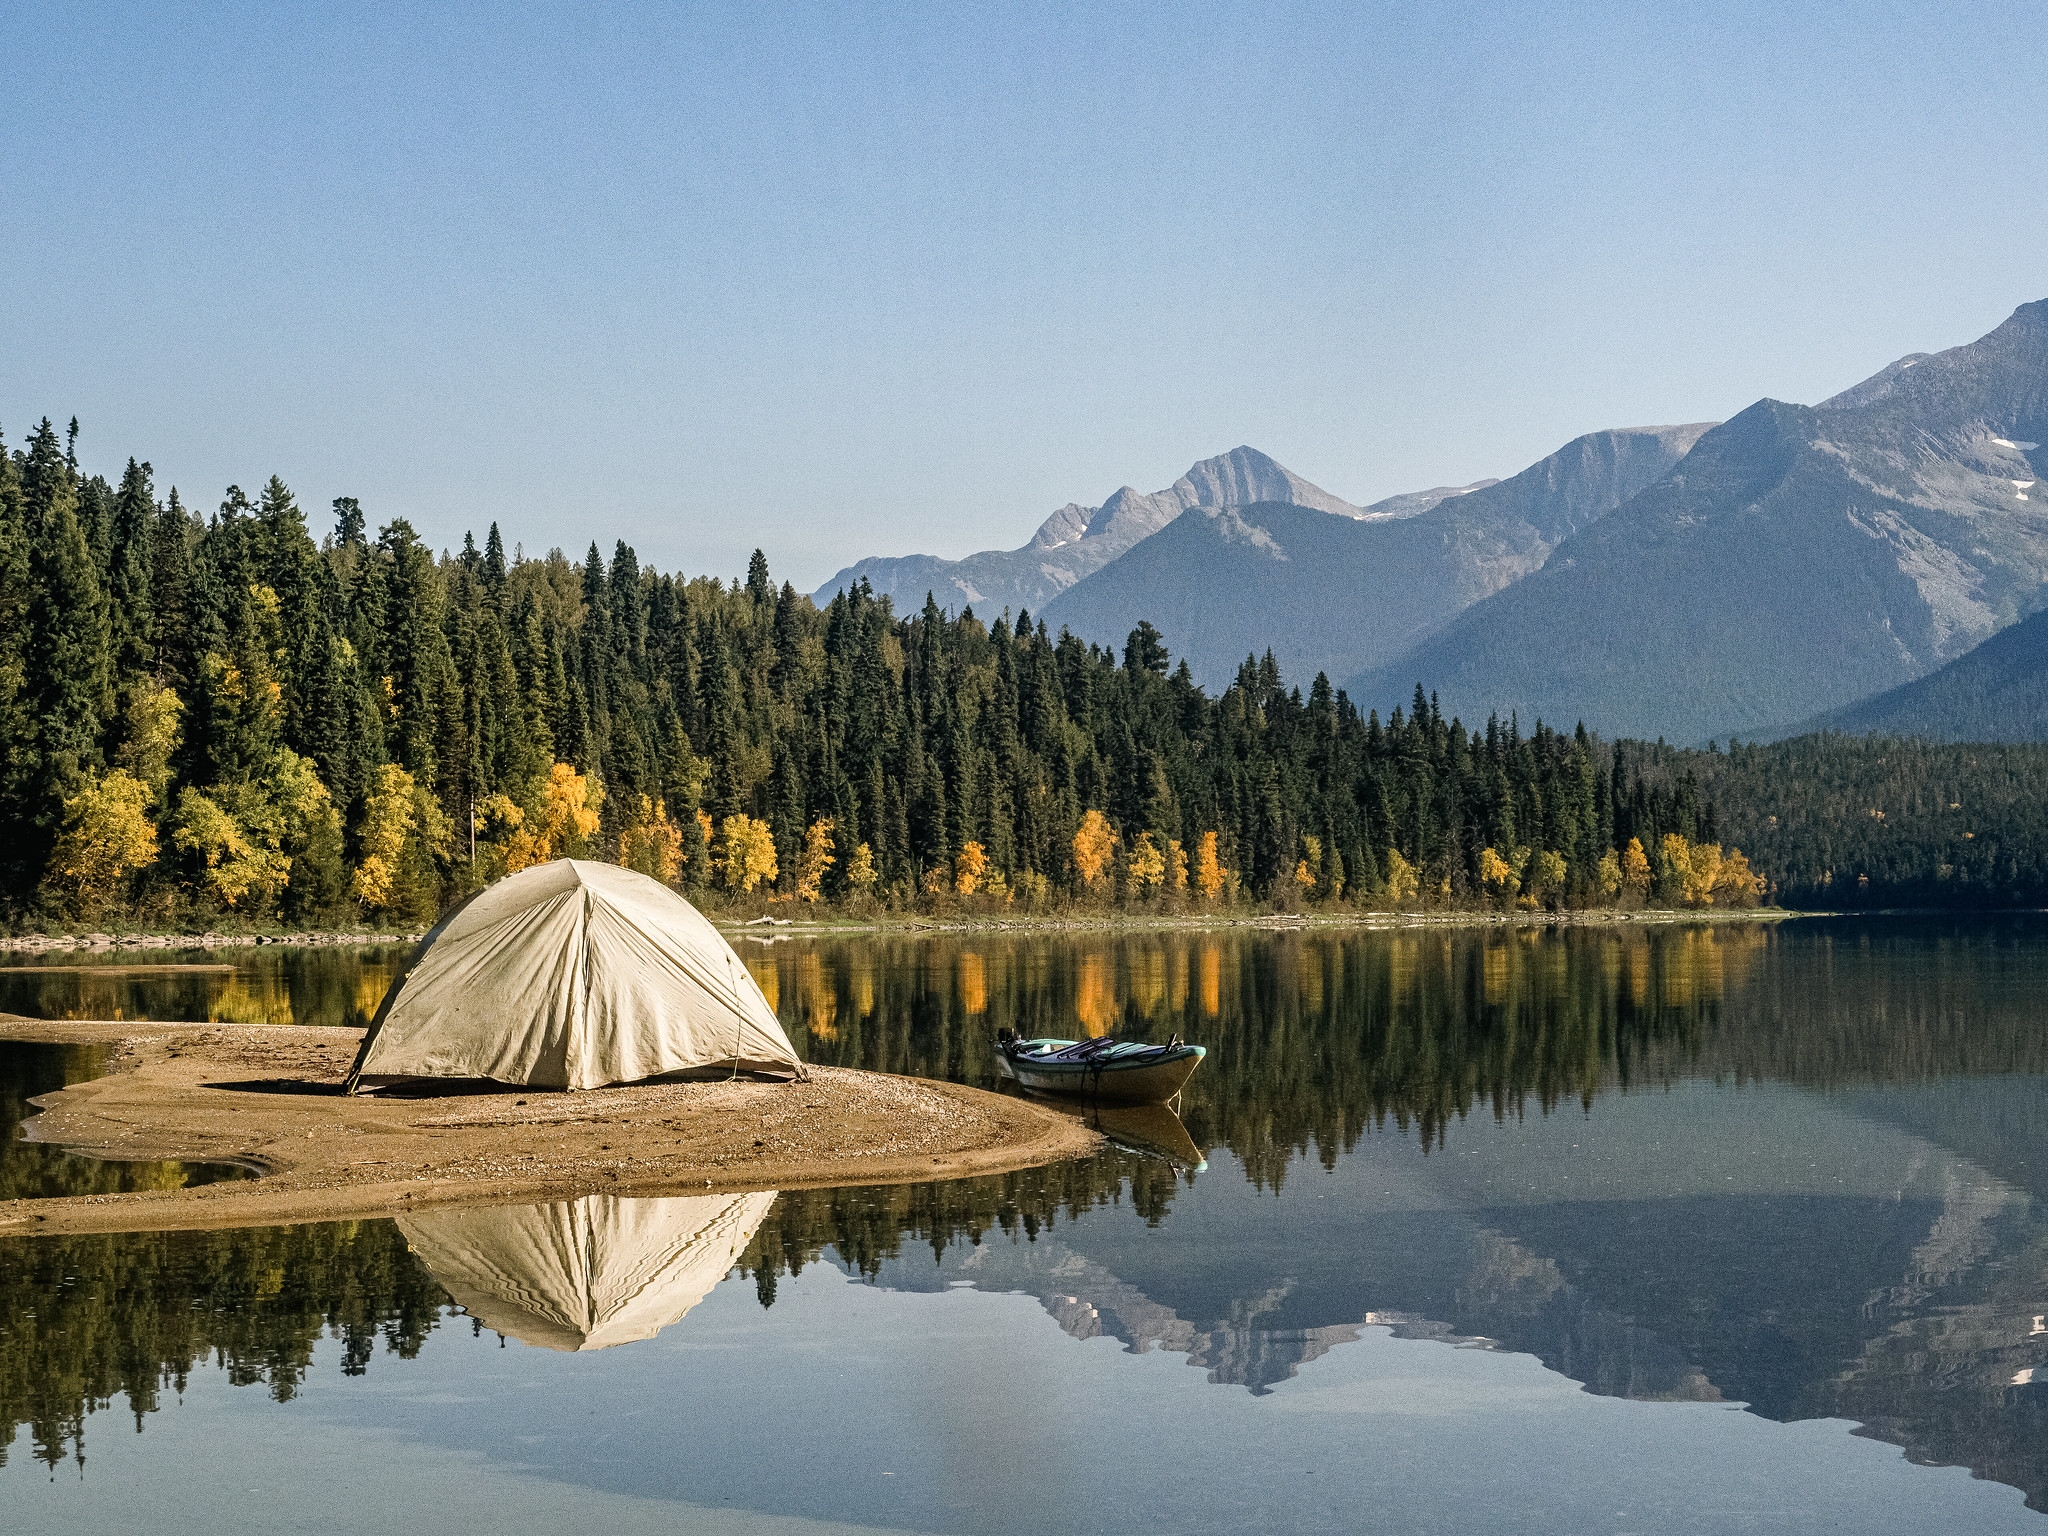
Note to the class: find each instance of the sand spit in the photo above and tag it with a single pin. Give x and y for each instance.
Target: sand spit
(269, 1097)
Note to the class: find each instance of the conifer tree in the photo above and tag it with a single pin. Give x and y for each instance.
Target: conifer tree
(130, 566)
(68, 667)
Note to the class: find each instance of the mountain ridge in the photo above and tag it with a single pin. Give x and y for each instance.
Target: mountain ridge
(1076, 541)
(1801, 558)
(1997, 692)
(1334, 596)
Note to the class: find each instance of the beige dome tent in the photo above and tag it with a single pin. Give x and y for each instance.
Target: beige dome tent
(572, 975)
(588, 1273)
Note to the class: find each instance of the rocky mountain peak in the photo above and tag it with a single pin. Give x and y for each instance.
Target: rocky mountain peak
(1244, 476)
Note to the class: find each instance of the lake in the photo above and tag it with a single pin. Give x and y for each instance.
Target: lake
(1722, 1228)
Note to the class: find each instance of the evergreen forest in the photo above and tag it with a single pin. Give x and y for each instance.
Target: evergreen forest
(230, 718)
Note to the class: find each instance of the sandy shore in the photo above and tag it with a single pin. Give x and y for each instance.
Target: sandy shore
(268, 1097)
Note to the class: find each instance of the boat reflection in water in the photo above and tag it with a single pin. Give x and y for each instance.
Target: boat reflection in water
(585, 1274)
(1151, 1130)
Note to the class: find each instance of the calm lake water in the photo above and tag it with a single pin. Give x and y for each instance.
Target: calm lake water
(1718, 1229)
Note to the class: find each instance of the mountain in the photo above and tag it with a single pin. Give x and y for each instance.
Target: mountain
(1337, 595)
(1078, 540)
(1800, 558)
(1998, 692)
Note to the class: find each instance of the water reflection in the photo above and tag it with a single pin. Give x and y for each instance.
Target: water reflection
(1798, 1168)
(585, 1274)
(84, 1320)
(1150, 1129)
(32, 1170)
(1316, 1037)
(272, 984)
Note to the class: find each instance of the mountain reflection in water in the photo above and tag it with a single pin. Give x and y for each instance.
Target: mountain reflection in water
(1795, 1168)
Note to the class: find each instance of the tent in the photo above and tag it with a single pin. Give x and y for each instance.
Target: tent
(572, 975)
(589, 1273)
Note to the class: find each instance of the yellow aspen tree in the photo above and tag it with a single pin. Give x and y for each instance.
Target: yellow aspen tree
(1677, 854)
(1094, 843)
(1496, 874)
(860, 869)
(561, 824)
(652, 845)
(1609, 875)
(1737, 885)
(970, 866)
(1176, 868)
(570, 809)
(1309, 868)
(1550, 870)
(107, 836)
(498, 821)
(748, 854)
(231, 863)
(1635, 868)
(1703, 868)
(389, 813)
(296, 804)
(1144, 865)
(1208, 868)
(1402, 880)
(814, 860)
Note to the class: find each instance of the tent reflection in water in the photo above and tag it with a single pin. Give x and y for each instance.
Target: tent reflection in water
(572, 975)
(589, 1273)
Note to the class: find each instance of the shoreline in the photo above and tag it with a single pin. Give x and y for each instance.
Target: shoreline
(1593, 917)
(267, 1098)
(758, 927)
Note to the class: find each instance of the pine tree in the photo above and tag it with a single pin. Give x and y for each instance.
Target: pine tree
(68, 671)
(130, 566)
(19, 758)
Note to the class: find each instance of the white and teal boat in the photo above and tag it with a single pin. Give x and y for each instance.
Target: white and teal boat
(1110, 1071)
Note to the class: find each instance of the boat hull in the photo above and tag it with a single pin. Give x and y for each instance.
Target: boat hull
(1150, 1082)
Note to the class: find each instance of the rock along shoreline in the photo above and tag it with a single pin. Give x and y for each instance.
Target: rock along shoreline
(908, 924)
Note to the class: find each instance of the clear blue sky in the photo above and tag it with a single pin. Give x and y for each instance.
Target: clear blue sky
(857, 280)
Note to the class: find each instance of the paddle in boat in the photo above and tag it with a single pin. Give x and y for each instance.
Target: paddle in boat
(1107, 1070)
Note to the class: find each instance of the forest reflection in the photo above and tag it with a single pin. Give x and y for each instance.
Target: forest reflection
(1316, 1040)
(283, 984)
(1315, 1037)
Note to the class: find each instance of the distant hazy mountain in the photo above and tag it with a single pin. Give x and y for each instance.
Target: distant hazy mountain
(1800, 558)
(1077, 540)
(1998, 692)
(1336, 595)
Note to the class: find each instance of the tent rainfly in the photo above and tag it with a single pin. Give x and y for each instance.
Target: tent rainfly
(572, 975)
(589, 1273)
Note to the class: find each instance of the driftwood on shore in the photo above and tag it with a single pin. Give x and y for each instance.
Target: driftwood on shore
(37, 942)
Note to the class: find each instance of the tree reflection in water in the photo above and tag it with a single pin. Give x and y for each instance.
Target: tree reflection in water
(1317, 1041)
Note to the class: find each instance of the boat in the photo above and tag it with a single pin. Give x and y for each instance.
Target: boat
(1106, 1069)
